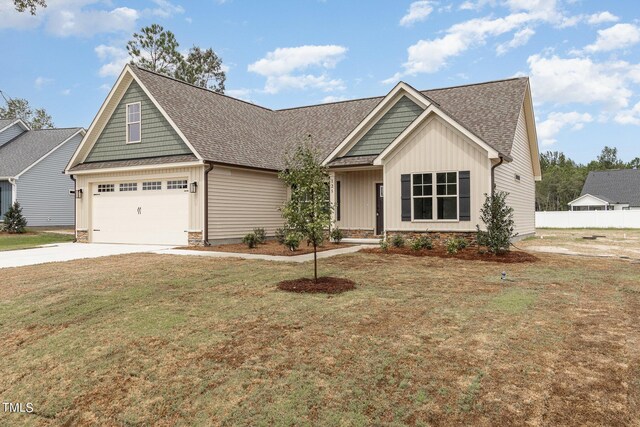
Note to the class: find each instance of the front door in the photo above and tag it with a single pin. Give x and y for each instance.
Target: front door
(379, 209)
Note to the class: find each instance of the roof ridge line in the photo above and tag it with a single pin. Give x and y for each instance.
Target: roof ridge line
(199, 87)
(478, 83)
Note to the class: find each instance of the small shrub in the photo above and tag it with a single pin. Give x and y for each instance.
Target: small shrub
(498, 219)
(454, 244)
(280, 235)
(292, 241)
(397, 241)
(384, 244)
(336, 235)
(14, 222)
(251, 240)
(261, 235)
(421, 242)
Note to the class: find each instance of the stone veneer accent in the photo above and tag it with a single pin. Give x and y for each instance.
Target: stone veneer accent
(438, 237)
(195, 238)
(359, 233)
(82, 236)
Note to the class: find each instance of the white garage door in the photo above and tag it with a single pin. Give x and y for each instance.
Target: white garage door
(143, 212)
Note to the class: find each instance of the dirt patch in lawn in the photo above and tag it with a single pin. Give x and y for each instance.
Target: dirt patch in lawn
(470, 254)
(269, 248)
(324, 285)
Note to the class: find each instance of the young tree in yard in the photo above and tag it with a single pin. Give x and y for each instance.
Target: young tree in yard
(14, 222)
(498, 219)
(18, 108)
(156, 49)
(307, 212)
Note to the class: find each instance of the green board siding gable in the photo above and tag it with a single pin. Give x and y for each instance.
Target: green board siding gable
(387, 128)
(158, 136)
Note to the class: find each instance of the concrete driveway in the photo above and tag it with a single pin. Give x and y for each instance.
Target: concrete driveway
(70, 251)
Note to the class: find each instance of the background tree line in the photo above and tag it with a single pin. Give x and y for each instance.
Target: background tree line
(562, 178)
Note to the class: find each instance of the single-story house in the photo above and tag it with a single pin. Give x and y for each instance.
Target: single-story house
(32, 164)
(609, 190)
(167, 162)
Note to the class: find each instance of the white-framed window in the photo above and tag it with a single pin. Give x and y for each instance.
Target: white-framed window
(106, 188)
(151, 185)
(180, 184)
(435, 196)
(129, 186)
(134, 123)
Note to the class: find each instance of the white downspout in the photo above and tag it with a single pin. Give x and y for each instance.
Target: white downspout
(14, 190)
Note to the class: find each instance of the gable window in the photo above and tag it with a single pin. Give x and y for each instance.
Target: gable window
(129, 186)
(435, 200)
(177, 185)
(106, 188)
(151, 185)
(134, 122)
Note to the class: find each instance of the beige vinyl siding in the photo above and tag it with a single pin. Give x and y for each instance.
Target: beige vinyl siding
(158, 136)
(521, 193)
(435, 146)
(358, 194)
(242, 199)
(191, 174)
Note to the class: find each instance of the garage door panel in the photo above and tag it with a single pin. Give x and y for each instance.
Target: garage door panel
(141, 217)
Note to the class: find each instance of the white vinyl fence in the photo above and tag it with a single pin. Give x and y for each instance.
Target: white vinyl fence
(588, 219)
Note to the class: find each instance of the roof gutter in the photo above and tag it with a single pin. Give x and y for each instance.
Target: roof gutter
(205, 227)
(493, 176)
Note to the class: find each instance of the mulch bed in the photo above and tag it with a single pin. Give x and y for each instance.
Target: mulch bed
(470, 254)
(324, 285)
(271, 247)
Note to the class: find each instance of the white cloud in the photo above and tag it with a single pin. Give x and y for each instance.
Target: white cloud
(567, 80)
(629, 117)
(520, 38)
(283, 68)
(620, 36)
(41, 81)
(115, 57)
(333, 98)
(601, 18)
(12, 19)
(418, 11)
(555, 122)
(65, 92)
(166, 9)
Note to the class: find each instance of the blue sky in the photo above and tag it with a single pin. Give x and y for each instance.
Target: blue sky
(583, 57)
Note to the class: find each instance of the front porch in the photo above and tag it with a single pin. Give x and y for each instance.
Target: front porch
(357, 195)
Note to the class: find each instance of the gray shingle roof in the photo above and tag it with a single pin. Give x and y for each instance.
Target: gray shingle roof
(226, 130)
(19, 153)
(353, 161)
(6, 122)
(134, 162)
(617, 186)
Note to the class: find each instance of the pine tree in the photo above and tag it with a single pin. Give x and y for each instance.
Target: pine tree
(14, 222)
(498, 218)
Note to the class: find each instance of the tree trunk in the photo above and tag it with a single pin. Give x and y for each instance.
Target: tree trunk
(315, 262)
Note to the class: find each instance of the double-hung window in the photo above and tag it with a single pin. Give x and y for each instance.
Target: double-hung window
(134, 122)
(435, 196)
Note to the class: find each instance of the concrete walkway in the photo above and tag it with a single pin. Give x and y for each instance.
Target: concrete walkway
(68, 252)
(296, 258)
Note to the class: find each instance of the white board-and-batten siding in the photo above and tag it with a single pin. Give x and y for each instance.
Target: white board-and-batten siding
(358, 199)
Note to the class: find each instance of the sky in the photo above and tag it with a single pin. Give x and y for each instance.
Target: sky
(583, 57)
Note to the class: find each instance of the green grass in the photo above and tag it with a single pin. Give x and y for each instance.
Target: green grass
(166, 340)
(10, 242)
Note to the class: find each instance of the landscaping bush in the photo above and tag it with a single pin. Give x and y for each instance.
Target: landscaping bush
(280, 235)
(261, 235)
(454, 244)
(336, 235)
(498, 219)
(292, 240)
(384, 244)
(251, 240)
(14, 222)
(397, 241)
(421, 242)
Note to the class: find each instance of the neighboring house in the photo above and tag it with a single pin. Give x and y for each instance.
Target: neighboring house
(167, 162)
(32, 166)
(617, 189)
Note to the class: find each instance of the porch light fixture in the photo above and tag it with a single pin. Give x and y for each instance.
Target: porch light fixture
(79, 193)
(193, 187)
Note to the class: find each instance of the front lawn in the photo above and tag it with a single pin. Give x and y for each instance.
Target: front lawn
(164, 340)
(31, 239)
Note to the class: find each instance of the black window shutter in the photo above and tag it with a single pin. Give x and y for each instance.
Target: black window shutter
(405, 190)
(337, 200)
(464, 191)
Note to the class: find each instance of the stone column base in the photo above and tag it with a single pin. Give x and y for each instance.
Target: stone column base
(82, 236)
(195, 238)
(439, 238)
(359, 233)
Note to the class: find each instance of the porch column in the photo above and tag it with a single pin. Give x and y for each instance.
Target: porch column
(332, 197)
